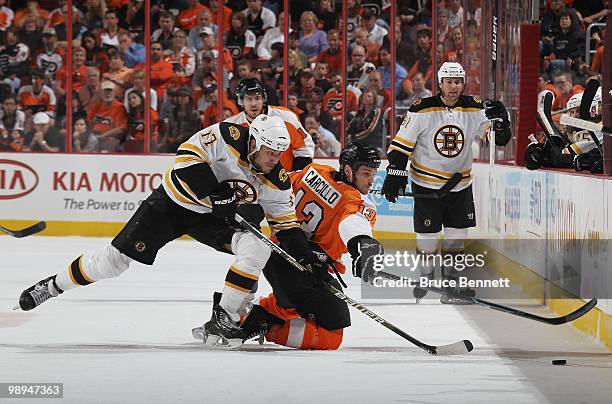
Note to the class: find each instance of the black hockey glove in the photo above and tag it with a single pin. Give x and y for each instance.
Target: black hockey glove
(395, 182)
(495, 110)
(365, 252)
(224, 203)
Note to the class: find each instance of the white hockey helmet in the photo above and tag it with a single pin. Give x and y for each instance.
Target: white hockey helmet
(596, 103)
(574, 101)
(269, 131)
(451, 69)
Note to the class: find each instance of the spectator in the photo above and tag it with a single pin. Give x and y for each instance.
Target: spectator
(383, 97)
(332, 100)
(417, 91)
(138, 85)
(314, 105)
(58, 15)
(239, 40)
(259, 19)
(181, 57)
(161, 70)
(591, 11)
(366, 126)
(357, 72)
(94, 54)
(564, 83)
(132, 16)
(332, 55)
(32, 10)
(14, 56)
(567, 48)
(43, 137)
(118, 73)
(443, 29)
(134, 142)
(292, 104)
(455, 15)
(95, 10)
(89, 94)
(7, 15)
(311, 121)
(227, 14)
(83, 140)
(107, 119)
(307, 85)
(188, 18)
(326, 15)
(455, 51)
(165, 33)
(385, 70)
(550, 19)
(376, 33)
(49, 60)
(274, 67)
(109, 36)
(11, 141)
(36, 97)
(194, 39)
(11, 118)
(325, 146)
(312, 40)
(30, 36)
(272, 36)
(294, 45)
(353, 20)
(362, 39)
(422, 58)
(183, 123)
(322, 76)
(134, 53)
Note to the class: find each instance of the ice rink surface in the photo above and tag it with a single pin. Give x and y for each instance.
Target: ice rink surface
(128, 340)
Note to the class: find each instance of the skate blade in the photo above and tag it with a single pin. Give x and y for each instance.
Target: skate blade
(217, 342)
(18, 307)
(459, 302)
(198, 333)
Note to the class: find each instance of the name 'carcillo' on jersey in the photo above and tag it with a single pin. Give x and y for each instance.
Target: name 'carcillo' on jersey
(224, 148)
(435, 135)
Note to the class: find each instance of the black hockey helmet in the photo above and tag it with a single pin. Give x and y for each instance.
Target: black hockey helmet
(356, 155)
(250, 86)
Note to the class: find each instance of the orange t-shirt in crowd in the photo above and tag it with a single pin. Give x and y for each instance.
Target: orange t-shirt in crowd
(210, 116)
(103, 118)
(188, 19)
(44, 101)
(332, 102)
(24, 13)
(79, 77)
(333, 61)
(161, 73)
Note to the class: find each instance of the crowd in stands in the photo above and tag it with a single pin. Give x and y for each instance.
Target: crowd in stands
(108, 79)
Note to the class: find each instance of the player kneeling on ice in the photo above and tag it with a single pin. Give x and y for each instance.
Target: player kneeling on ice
(215, 170)
(436, 136)
(334, 211)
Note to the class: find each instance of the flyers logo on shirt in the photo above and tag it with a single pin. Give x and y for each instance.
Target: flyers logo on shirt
(449, 141)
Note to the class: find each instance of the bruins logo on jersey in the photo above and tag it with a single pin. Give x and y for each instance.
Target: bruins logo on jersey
(417, 102)
(244, 191)
(449, 141)
(282, 175)
(234, 132)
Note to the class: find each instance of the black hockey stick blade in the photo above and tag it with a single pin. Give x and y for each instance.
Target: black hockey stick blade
(440, 193)
(28, 231)
(457, 348)
(587, 99)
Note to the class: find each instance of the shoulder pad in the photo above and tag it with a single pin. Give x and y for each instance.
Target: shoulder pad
(236, 136)
(424, 103)
(279, 178)
(471, 101)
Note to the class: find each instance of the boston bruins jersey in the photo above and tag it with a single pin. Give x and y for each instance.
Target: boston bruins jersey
(223, 148)
(330, 212)
(301, 144)
(438, 139)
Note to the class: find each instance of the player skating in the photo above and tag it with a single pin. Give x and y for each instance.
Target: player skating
(335, 213)
(251, 96)
(436, 136)
(213, 171)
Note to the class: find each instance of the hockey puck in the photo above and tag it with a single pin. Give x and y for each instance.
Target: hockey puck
(559, 362)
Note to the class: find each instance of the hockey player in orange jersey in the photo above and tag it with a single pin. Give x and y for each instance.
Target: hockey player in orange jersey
(336, 215)
(251, 96)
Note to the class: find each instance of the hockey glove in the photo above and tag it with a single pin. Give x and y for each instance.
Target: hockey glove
(365, 252)
(495, 110)
(224, 203)
(395, 182)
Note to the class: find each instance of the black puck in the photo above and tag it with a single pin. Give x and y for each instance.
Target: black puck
(559, 362)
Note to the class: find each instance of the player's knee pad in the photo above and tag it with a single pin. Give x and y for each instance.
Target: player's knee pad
(305, 334)
(250, 253)
(106, 263)
(454, 239)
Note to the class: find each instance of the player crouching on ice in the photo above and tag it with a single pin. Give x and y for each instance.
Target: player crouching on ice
(334, 211)
(436, 136)
(213, 171)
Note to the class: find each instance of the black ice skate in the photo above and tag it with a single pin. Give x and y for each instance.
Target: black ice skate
(420, 293)
(38, 293)
(451, 296)
(221, 332)
(258, 323)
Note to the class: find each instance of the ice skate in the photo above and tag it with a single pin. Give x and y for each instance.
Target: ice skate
(221, 332)
(451, 296)
(38, 293)
(258, 323)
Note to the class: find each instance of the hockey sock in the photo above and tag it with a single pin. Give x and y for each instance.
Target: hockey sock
(238, 286)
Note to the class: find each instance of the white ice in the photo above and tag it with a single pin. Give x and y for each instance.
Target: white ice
(128, 340)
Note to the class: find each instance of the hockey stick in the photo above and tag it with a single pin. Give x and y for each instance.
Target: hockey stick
(581, 311)
(438, 194)
(584, 124)
(545, 115)
(585, 108)
(28, 231)
(457, 348)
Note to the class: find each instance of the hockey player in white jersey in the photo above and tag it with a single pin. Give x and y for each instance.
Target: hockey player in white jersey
(585, 150)
(251, 96)
(436, 136)
(215, 170)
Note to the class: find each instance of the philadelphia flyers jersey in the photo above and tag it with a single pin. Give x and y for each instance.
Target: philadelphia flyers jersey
(329, 211)
(301, 144)
(224, 147)
(438, 139)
